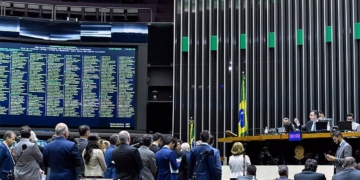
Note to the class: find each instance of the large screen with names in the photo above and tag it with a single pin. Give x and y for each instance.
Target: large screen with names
(42, 85)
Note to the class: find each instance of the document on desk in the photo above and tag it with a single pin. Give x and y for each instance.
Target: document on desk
(172, 170)
(43, 177)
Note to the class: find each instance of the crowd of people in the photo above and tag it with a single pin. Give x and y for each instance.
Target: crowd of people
(151, 156)
(148, 157)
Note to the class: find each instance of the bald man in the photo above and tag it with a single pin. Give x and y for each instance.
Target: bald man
(349, 172)
(61, 155)
(127, 159)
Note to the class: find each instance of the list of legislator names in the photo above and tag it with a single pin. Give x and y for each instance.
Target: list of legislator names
(67, 81)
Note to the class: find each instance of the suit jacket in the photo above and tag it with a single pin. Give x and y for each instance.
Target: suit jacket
(154, 148)
(111, 170)
(96, 165)
(209, 167)
(6, 161)
(127, 162)
(307, 175)
(62, 156)
(149, 163)
(81, 145)
(164, 159)
(347, 174)
(345, 150)
(27, 166)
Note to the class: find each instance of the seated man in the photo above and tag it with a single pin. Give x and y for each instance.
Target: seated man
(354, 126)
(250, 173)
(310, 172)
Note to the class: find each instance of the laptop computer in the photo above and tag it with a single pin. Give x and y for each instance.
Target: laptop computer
(321, 126)
(345, 125)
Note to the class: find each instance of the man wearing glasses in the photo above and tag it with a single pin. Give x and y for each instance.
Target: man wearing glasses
(355, 126)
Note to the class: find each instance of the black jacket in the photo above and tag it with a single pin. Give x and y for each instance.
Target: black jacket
(128, 162)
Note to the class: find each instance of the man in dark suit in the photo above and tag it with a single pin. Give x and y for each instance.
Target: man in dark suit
(111, 170)
(158, 140)
(127, 159)
(84, 132)
(166, 161)
(311, 125)
(349, 172)
(6, 159)
(310, 172)
(250, 173)
(203, 162)
(61, 155)
(344, 150)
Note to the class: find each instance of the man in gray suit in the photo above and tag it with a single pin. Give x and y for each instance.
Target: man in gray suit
(250, 173)
(147, 157)
(344, 150)
(27, 165)
(84, 132)
(349, 172)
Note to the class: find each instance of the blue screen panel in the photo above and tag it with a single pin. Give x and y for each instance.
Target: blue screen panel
(42, 85)
(294, 136)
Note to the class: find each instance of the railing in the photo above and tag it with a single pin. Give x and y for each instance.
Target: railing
(102, 11)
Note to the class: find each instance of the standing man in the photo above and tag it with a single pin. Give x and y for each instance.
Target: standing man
(84, 132)
(158, 140)
(111, 170)
(61, 155)
(311, 125)
(127, 159)
(27, 166)
(354, 126)
(6, 159)
(344, 150)
(166, 161)
(216, 151)
(203, 161)
(148, 158)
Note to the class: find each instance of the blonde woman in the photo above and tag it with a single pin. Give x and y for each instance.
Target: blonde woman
(236, 161)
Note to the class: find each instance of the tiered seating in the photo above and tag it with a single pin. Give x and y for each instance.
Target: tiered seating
(59, 10)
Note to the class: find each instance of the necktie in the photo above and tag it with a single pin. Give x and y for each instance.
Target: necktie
(314, 128)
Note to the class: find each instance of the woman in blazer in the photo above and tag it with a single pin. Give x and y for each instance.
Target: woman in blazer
(93, 158)
(236, 161)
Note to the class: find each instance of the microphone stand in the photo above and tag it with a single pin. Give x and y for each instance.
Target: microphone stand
(201, 160)
(11, 175)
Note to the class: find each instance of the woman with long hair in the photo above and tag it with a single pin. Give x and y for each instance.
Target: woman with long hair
(93, 158)
(236, 161)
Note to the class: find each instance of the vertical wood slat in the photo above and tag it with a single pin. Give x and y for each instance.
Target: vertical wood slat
(326, 57)
(290, 59)
(283, 69)
(232, 57)
(347, 59)
(319, 72)
(247, 24)
(311, 54)
(276, 59)
(195, 60)
(225, 45)
(297, 65)
(188, 67)
(261, 63)
(240, 59)
(268, 62)
(175, 30)
(340, 60)
(211, 16)
(333, 62)
(254, 59)
(181, 70)
(204, 41)
(304, 64)
(218, 55)
(355, 63)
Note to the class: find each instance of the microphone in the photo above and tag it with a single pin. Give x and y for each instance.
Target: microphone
(11, 173)
(205, 152)
(24, 146)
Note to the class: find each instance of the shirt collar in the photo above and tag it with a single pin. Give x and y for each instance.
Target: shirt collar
(342, 142)
(166, 146)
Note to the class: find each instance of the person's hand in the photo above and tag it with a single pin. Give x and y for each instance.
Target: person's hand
(296, 120)
(41, 172)
(329, 157)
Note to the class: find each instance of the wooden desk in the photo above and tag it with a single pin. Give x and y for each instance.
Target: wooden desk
(285, 137)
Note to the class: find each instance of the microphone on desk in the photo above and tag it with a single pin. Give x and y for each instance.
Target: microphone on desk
(230, 134)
